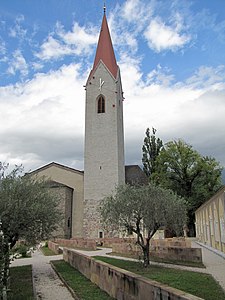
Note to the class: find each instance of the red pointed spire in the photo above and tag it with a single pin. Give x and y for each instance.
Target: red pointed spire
(105, 50)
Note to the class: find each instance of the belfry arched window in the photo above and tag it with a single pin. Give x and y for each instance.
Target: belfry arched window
(101, 104)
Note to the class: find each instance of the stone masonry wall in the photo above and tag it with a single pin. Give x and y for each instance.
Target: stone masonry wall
(54, 247)
(121, 284)
(79, 243)
(92, 219)
(173, 249)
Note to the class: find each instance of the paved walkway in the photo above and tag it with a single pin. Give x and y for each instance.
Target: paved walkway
(215, 264)
(47, 285)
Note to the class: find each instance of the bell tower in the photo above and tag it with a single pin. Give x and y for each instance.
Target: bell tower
(104, 137)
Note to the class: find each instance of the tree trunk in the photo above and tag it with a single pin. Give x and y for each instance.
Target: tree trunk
(13, 240)
(146, 254)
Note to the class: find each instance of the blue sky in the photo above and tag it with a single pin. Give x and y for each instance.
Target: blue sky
(172, 60)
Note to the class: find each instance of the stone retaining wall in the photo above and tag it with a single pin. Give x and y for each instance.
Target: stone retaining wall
(173, 249)
(121, 284)
(176, 252)
(80, 243)
(175, 242)
(109, 242)
(54, 247)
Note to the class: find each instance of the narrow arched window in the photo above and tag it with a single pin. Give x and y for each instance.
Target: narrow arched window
(101, 105)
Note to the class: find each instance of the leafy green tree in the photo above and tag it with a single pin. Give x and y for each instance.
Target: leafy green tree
(190, 175)
(142, 210)
(28, 210)
(2, 261)
(151, 149)
(4, 264)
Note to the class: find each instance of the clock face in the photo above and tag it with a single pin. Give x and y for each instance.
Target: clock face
(101, 82)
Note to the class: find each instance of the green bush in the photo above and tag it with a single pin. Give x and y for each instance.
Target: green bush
(22, 250)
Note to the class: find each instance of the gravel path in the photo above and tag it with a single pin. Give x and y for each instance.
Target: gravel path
(47, 284)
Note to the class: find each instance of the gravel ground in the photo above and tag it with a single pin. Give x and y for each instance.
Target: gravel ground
(47, 284)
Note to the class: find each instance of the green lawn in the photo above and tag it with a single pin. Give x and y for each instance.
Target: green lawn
(83, 288)
(177, 262)
(21, 285)
(163, 260)
(47, 252)
(199, 284)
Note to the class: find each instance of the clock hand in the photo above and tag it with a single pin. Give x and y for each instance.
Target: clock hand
(101, 84)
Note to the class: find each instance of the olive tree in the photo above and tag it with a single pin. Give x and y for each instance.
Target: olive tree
(143, 210)
(28, 211)
(4, 264)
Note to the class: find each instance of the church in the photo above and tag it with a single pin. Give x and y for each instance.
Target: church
(80, 192)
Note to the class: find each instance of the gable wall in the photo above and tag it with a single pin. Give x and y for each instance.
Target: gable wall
(75, 181)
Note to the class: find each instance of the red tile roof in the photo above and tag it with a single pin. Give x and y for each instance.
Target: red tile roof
(105, 50)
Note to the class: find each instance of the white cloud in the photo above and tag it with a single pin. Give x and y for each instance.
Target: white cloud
(208, 77)
(18, 64)
(122, 38)
(163, 37)
(164, 32)
(44, 119)
(176, 110)
(81, 37)
(160, 76)
(61, 43)
(126, 23)
(134, 10)
(2, 47)
(17, 30)
(53, 49)
(131, 75)
(37, 66)
(126, 39)
(130, 9)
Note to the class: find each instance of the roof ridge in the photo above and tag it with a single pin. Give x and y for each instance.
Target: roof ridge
(58, 165)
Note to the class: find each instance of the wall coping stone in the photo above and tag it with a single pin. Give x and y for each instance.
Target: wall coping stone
(159, 290)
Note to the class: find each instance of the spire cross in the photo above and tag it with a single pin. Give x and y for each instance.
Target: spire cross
(104, 8)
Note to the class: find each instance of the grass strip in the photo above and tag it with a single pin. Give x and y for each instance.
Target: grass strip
(47, 252)
(198, 284)
(82, 287)
(163, 260)
(177, 262)
(21, 284)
